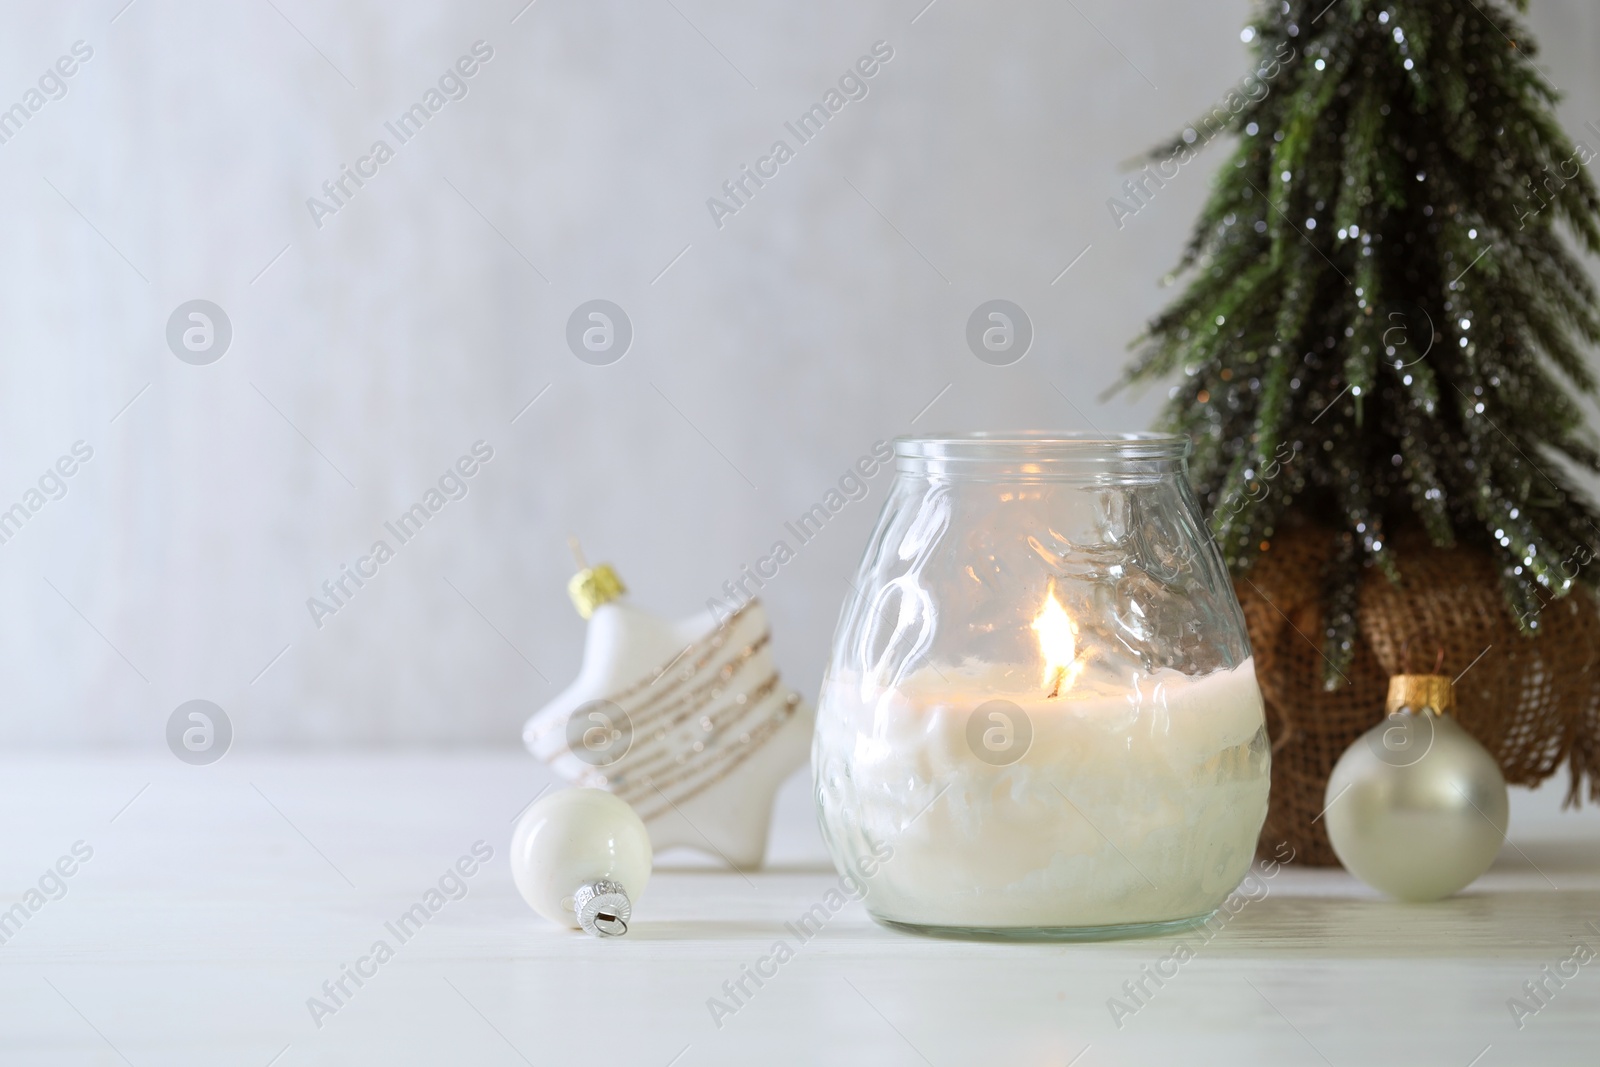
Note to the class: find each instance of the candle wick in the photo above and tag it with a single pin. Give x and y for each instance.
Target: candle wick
(577, 553)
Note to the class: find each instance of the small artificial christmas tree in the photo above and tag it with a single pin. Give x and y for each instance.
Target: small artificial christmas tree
(1383, 314)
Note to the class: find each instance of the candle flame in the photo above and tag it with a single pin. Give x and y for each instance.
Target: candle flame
(1057, 644)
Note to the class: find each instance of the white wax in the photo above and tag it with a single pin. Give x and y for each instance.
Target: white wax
(1135, 806)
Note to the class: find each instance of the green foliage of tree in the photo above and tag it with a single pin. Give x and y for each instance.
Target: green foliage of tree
(1384, 324)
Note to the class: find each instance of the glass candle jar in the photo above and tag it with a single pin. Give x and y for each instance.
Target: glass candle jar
(1040, 718)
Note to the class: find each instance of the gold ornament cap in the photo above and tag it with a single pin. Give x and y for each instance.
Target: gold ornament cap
(592, 586)
(1421, 692)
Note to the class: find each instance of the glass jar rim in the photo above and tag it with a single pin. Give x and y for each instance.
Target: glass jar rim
(1043, 456)
(1050, 446)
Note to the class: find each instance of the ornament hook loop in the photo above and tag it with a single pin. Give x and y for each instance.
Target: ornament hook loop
(603, 908)
(1405, 658)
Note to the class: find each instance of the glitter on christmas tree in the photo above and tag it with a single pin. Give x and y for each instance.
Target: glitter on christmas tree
(1405, 313)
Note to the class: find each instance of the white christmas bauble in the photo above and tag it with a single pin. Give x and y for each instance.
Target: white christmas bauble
(1416, 807)
(580, 858)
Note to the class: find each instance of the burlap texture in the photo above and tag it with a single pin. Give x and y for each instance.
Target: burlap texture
(1532, 702)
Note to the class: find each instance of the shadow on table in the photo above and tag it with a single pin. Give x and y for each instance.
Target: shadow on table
(1474, 923)
(706, 930)
(1551, 858)
(686, 864)
(1352, 923)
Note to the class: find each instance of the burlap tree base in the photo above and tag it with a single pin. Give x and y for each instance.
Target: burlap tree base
(1532, 702)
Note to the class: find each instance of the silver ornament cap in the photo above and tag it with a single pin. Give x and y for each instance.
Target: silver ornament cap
(1417, 808)
(603, 908)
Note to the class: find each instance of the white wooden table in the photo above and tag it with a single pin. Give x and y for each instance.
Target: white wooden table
(219, 899)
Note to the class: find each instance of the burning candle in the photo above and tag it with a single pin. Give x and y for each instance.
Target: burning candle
(1044, 769)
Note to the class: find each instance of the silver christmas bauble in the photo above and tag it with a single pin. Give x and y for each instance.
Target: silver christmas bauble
(1416, 807)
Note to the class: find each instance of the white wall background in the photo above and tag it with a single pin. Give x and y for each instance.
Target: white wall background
(431, 309)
